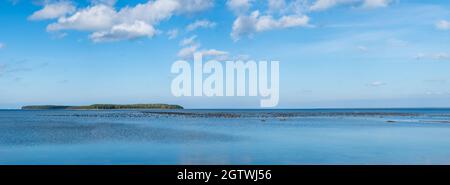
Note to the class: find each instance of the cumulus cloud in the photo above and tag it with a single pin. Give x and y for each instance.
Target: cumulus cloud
(192, 6)
(443, 25)
(239, 6)
(282, 14)
(101, 16)
(200, 24)
(108, 24)
(279, 14)
(151, 12)
(275, 5)
(124, 31)
(247, 25)
(53, 10)
(98, 17)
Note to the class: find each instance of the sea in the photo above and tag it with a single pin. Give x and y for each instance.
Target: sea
(195, 136)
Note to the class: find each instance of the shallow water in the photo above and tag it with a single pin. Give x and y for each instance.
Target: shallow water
(323, 136)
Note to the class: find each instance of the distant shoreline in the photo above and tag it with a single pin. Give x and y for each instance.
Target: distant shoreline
(102, 107)
(174, 106)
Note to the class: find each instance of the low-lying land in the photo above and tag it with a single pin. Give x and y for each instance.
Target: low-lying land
(102, 107)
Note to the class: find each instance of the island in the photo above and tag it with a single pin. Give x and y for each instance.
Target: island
(102, 107)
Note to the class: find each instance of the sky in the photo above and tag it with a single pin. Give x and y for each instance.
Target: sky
(332, 53)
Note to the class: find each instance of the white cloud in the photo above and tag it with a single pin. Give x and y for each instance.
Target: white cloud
(188, 41)
(188, 52)
(94, 18)
(376, 3)
(106, 22)
(190, 46)
(280, 14)
(377, 84)
(53, 10)
(124, 31)
(275, 5)
(441, 56)
(323, 4)
(214, 52)
(192, 6)
(239, 6)
(159, 10)
(320, 5)
(151, 12)
(283, 7)
(2, 45)
(106, 2)
(247, 25)
(433, 56)
(200, 24)
(172, 34)
(443, 25)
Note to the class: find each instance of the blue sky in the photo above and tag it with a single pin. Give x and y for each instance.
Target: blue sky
(332, 53)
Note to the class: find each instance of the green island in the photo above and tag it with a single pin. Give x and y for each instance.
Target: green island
(102, 107)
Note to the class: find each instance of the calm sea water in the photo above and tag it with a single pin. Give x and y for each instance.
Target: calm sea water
(340, 136)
